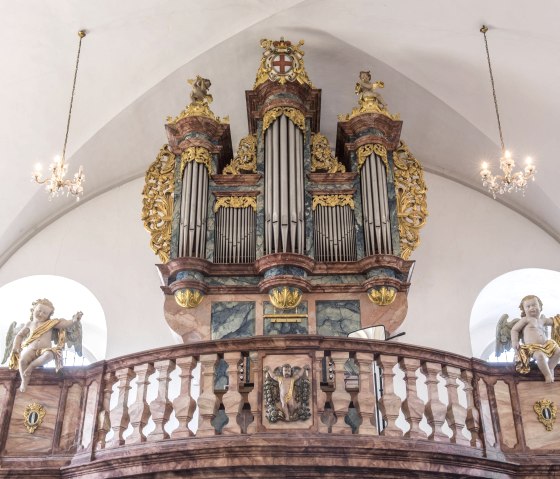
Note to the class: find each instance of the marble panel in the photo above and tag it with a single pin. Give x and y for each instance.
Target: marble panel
(285, 270)
(272, 328)
(358, 214)
(337, 318)
(340, 279)
(232, 319)
(90, 414)
(505, 414)
(221, 378)
(260, 198)
(229, 281)
(392, 200)
(72, 415)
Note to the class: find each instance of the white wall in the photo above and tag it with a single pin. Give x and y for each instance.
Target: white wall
(469, 240)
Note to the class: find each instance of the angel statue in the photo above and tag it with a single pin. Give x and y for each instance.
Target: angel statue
(365, 89)
(199, 93)
(286, 393)
(31, 345)
(531, 328)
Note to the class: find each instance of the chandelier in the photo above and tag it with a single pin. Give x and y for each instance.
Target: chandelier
(508, 181)
(57, 184)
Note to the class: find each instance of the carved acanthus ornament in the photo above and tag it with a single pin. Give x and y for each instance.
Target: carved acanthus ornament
(296, 116)
(333, 200)
(199, 154)
(282, 61)
(322, 157)
(412, 208)
(245, 158)
(365, 151)
(284, 297)
(382, 296)
(157, 202)
(235, 202)
(188, 298)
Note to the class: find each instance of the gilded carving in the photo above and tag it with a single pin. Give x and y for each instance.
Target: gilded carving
(235, 202)
(546, 413)
(382, 296)
(33, 416)
(287, 391)
(322, 157)
(366, 150)
(284, 297)
(245, 158)
(157, 202)
(296, 116)
(333, 200)
(199, 154)
(200, 102)
(188, 298)
(282, 61)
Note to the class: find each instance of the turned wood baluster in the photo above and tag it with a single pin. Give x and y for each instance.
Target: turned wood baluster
(139, 411)
(473, 416)
(207, 401)
(321, 395)
(412, 406)
(340, 397)
(103, 418)
(119, 415)
(390, 403)
(435, 410)
(184, 405)
(253, 395)
(365, 398)
(232, 399)
(161, 406)
(456, 414)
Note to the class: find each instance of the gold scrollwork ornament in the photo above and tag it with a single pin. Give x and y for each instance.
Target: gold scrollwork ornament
(332, 200)
(546, 413)
(383, 296)
(157, 202)
(235, 202)
(245, 158)
(284, 297)
(199, 154)
(322, 158)
(412, 208)
(188, 298)
(33, 416)
(366, 150)
(296, 116)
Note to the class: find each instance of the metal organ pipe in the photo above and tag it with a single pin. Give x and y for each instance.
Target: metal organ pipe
(194, 196)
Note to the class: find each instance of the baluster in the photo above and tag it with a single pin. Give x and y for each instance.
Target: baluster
(434, 410)
(184, 405)
(366, 395)
(473, 416)
(119, 415)
(390, 403)
(232, 399)
(104, 419)
(456, 414)
(340, 397)
(324, 422)
(207, 401)
(161, 406)
(412, 406)
(139, 412)
(253, 395)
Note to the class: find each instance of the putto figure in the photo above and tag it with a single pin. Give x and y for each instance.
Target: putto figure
(199, 93)
(33, 347)
(365, 89)
(287, 393)
(531, 328)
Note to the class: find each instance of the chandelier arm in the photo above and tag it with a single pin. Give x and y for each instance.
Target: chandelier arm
(81, 34)
(484, 29)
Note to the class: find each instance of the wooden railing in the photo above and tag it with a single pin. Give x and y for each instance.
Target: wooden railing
(416, 405)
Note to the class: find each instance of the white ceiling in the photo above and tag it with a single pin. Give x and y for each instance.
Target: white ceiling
(139, 53)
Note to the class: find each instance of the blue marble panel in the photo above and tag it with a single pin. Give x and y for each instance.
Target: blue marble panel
(337, 318)
(232, 319)
(381, 273)
(358, 215)
(338, 279)
(229, 281)
(221, 378)
(271, 328)
(285, 270)
(392, 200)
(176, 219)
(260, 198)
(309, 246)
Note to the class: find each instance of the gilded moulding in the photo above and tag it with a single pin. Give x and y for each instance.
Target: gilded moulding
(383, 296)
(235, 202)
(322, 157)
(284, 297)
(188, 298)
(296, 116)
(199, 154)
(412, 208)
(157, 202)
(33, 416)
(546, 413)
(333, 200)
(366, 150)
(282, 61)
(245, 158)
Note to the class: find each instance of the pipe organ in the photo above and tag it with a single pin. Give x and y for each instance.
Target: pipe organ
(313, 238)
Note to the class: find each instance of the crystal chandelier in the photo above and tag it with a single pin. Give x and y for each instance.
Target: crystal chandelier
(508, 181)
(57, 184)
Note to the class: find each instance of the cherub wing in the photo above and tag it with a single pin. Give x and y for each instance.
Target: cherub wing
(74, 337)
(503, 334)
(10, 336)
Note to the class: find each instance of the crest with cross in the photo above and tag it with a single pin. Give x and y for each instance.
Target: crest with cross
(282, 62)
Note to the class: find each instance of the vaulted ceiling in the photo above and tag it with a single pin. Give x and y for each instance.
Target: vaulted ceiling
(138, 55)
